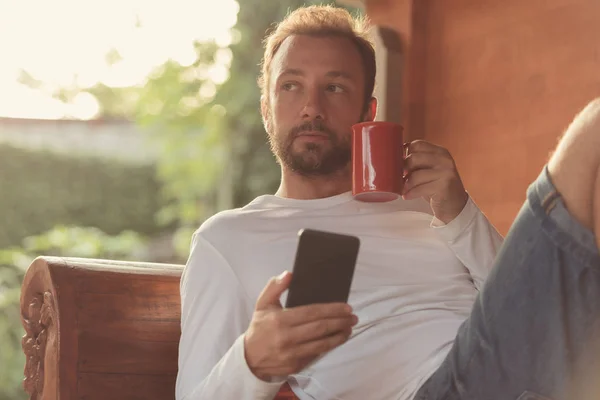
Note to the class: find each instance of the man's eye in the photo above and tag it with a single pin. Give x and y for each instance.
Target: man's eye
(289, 86)
(335, 88)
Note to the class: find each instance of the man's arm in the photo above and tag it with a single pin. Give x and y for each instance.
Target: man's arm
(473, 239)
(215, 313)
(431, 174)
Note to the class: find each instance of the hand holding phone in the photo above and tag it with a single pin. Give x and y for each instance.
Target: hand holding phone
(281, 342)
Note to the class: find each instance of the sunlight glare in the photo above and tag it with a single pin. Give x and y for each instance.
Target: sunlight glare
(85, 106)
(207, 91)
(218, 73)
(64, 43)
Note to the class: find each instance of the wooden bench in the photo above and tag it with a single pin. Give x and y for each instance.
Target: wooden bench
(100, 329)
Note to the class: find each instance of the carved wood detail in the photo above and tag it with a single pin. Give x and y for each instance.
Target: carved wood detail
(38, 324)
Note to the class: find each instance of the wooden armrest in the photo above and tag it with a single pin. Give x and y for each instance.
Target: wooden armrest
(100, 329)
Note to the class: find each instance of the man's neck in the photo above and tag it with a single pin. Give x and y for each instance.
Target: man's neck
(301, 187)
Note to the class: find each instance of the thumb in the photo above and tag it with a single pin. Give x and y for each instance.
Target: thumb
(269, 297)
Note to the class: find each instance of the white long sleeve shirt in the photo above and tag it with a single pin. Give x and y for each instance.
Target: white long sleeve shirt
(414, 284)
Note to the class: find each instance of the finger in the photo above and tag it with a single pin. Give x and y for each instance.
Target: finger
(317, 347)
(319, 329)
(424, 146)
(295, 358)
(421, 177)
(314, 312)
(269, 297)
(423, 190)
(417, 161)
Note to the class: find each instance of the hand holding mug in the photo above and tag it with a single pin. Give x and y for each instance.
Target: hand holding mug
(385, 168)
(430, 173)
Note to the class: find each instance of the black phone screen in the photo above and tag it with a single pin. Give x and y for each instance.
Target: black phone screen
(323, 268)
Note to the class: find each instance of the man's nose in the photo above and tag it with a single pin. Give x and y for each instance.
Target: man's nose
(313, 106)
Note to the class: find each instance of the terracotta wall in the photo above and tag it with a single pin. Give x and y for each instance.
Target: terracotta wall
(496, 82)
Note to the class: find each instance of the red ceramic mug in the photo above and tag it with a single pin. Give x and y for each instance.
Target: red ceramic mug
(377, 161)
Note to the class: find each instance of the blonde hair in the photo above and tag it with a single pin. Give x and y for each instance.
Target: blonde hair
(322, 21)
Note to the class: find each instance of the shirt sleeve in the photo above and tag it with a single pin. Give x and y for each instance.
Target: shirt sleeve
(215, 313)
(473, 239)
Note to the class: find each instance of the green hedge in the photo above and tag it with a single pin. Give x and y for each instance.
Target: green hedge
(39, 190)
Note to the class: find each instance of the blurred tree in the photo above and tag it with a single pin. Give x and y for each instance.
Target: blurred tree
(206, 119)
(216, 151)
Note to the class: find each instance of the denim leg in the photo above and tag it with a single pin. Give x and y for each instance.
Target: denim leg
(534, 330)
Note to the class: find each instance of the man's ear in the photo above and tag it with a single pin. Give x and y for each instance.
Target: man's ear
(266, 114)
(371, 111)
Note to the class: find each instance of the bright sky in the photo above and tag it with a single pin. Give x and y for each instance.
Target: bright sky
(62, 42)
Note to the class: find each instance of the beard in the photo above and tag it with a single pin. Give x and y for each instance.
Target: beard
(312, 158)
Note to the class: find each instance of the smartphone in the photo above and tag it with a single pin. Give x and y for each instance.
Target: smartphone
(323, 268)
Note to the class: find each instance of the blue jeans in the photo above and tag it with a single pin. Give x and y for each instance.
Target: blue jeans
(534, 330)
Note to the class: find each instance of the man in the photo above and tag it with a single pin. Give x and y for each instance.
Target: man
(414, 284)
(419, 323)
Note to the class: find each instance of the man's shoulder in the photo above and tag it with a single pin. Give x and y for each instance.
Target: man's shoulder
(220, 220)
(229, 222)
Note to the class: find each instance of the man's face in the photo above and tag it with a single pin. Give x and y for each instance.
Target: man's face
(316, 93)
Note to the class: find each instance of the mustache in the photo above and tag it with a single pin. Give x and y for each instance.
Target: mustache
(312, 126)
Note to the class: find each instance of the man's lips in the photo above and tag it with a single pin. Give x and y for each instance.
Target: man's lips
(313, 134)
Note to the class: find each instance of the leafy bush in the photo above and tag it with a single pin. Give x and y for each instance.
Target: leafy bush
(60, 241)
(39, 190)
(11, 356)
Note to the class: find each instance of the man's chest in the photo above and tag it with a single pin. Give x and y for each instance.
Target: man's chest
(391, 254)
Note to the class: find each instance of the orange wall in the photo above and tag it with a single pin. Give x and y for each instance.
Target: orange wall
(496, 82)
